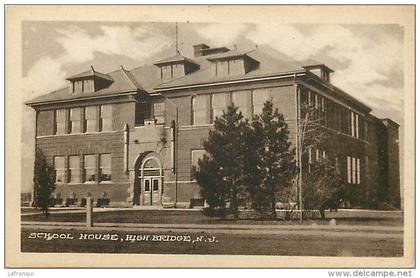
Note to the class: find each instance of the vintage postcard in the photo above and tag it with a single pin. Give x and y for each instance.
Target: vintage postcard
(209, 136)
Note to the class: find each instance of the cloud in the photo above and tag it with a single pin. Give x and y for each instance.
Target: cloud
(46, 74)
(137, 43)
(221, 34)
(79, 46)
(365, 62)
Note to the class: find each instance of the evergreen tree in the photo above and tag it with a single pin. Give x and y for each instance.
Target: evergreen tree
(211, 184)
(44, 181)
(270, 159)
(224, 146)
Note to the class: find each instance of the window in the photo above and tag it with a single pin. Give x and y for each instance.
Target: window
(75, 123)
(259, 97)
(236, 66)
(339, 119)
(354, 122)
(90, 168)
(158, 112)
(242, 99)
(348, 169)
(143, 112)
(106, 118)
(88, 86)
(195, 156)
(219, 102)
(201, 110)
(78, 87)
(367, 132)
(356, 125)
(166, 72)
(357, 170)
(147, 185)
(177, 70)
(105, 167)
(155, 185)
(59, 169)
(353, 170)
(309, 98)
(90, 118)
(222, 68)
(60, 121)
(74, 169)
(310, 155)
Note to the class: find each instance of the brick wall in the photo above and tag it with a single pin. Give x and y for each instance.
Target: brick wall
(82, 144)
(45, 123)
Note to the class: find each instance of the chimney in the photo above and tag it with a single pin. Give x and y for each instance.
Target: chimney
(198, 49)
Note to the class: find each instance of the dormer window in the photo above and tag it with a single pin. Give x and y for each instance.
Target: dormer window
(232, 63)
(89, 82)
(83, 86)
(322, 71)
(175, 67)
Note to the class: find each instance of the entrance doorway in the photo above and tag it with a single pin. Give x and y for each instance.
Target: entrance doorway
(151, 191)
(150, 179)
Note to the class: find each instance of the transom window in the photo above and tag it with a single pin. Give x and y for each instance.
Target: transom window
(151, 168)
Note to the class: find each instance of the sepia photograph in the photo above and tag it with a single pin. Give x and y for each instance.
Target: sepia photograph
(196, 130)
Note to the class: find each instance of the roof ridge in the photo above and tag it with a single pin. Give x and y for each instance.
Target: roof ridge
(131, 78)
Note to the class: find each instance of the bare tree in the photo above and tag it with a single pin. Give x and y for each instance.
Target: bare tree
(311, 136)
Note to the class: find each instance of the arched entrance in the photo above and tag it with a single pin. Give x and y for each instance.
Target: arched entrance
(149, 182)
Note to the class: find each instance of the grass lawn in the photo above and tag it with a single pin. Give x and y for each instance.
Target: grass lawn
(197, 217)
(242, 244)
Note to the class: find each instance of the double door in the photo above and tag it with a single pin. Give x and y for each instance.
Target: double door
(151, 191)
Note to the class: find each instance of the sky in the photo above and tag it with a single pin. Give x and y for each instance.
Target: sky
(367, 59)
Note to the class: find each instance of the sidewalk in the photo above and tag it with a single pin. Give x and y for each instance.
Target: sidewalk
(339, 213)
